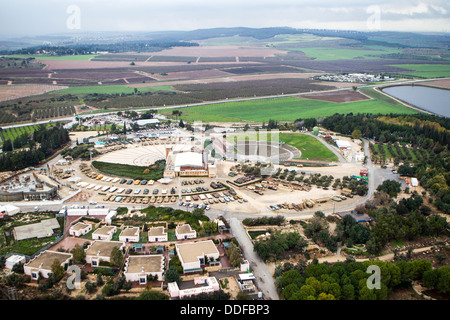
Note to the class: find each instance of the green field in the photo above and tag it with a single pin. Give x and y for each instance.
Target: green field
(426, 70)
(81, 57)
(109, 89)
(283, 109)
(13, 133)
(132, 172)
(310, 147)
(325, 53)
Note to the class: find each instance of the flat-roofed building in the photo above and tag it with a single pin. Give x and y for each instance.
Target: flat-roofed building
(129, 235)
(206, 285)
(80, 229)
(101, 251)
(43, 229)
(157, 234)
(193, 255)
(104, 233)
(42, 263)
(185, 232)
(14, 259)
(139, 267)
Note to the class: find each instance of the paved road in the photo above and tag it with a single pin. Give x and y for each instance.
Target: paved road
(262, 274)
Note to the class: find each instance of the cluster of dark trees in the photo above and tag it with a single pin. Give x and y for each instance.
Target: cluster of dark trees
(126, 46)
(348, 280)
(272, 220)
(43, 143)
(278, 244)
(403, 221)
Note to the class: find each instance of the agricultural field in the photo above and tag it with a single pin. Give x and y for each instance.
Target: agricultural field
(426, 70)
(12, 133)
(80, 57)
(321, 53)
(283, 109)
(109, 89)
(225, 66)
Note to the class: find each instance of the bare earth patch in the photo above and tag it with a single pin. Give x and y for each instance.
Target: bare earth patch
(251, 77)
(438, 83)
(14, 92)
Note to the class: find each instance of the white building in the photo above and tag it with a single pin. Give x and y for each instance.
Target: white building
(9, 209)
(157, 234)
(77, 212)
(193, 255)
(185, 232)
(138, 267)
(104, 233)
(11, 261)
(208, 285)
(343, 144)
(42, 263)
(99, 251)
(129, 235)
(80, 229)
(109, 216)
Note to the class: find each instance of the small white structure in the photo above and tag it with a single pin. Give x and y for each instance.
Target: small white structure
(138, 267)
(77, 212)
(143, 122)
(13, 260)
(157, 234)
(414, 182)
(343, 144)
(98, 212)
(129, 235)
(359, 156)
(111, 214)
(104, 233)
(99, 251)
(42, 263)
(9, 209)
(245, 266)
(209, 285)
(185, 232)
(80, 229)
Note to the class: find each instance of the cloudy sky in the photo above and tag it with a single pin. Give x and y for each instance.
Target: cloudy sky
(40, 17)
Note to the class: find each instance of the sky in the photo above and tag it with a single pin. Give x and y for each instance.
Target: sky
(42, 17)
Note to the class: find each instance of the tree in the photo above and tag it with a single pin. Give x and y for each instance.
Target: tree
(172, 274)
(116, 257)
(57, 269)
(79, 255)
(234, 253)
(356, 134)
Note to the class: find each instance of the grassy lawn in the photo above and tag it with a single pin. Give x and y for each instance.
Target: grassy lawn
(379, 96)
(132, 172)
(310, 147)
(283, 109)
(81, 57)
(426, 70)
(109, 89)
